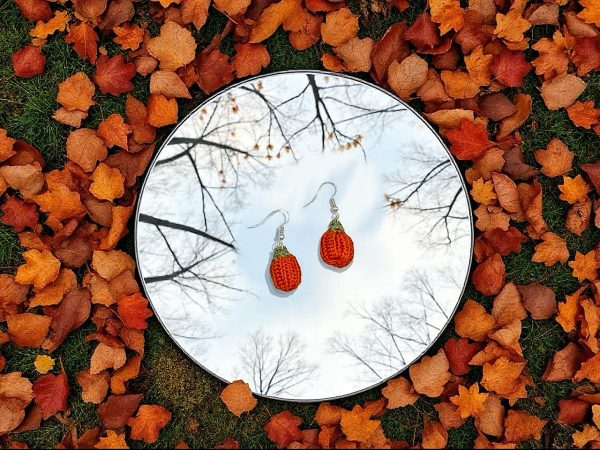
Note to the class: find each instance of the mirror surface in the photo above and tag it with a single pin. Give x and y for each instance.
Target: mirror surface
(269, 143)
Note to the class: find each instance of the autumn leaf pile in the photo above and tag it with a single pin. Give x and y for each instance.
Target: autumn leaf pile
(464, 65)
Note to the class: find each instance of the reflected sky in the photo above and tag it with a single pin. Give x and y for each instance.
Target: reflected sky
(268, 144)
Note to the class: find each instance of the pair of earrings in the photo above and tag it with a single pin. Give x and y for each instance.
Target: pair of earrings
(336, 247)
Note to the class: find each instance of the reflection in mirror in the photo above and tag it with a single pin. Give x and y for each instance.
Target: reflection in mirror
(266, 144)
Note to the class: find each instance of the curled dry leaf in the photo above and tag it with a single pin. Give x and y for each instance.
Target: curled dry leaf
(238, 398)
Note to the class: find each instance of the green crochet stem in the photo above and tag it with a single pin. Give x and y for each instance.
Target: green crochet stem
(336, 225)
(280, 250)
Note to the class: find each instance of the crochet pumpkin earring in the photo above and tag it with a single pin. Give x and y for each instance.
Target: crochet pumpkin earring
(336, 247)
(284, 269)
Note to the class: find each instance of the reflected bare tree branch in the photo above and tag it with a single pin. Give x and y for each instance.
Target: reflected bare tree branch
(275, 366)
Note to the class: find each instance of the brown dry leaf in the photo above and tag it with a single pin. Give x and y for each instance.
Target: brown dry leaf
(430, 374)
(508, 306)
(60, 202)
(250, 59)
(71, 118)
(6, 145)
(356, 54)
(434, 436)
(578, 217)
(511, 123)
(478, 66)
(137, 117)
(521, 426)
(588, 434)
(459, 84)
(169, 84)
(107, 183)
(538, 300)
(569, 310)
(339, 27)
(39, 269)
(85, 148)
(238, 398)
(110, 264)
(473, 321)
(27, 329)
(491, 420)
(161, 110)
(447, 118)
(399, 393)
(449, 415)
(562, 91)
(556, 159)
(574, 190)
(553, 59)
(232, 7)
(148, 422)
(195, 11)
(508, 195)
(357, 424)
(106, 357)
(94, 387)
(115, 411)
(114, 131)
(589, 369)
(283, 429)
(121, 376)
(76, 93)
(27, 179)
(271, 18)
(553, 249)
(501, 376)
(448, 14)
(407, 76)
(585, 266)
(488, 276)
(174, 47)
(72, 312)
(54, 293)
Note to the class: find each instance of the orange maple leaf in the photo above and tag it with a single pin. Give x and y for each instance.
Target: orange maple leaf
(39, 269)
(148, 422)
(473, 321)
(501, 376)
(574, 190)
(585, 267)
(553, 249)
(591, 11)
(238, 398)
(569, 310)
(357, 424)
(584, 114)
(399, 393)
(112, 440)
(430, 374)
(470, 401)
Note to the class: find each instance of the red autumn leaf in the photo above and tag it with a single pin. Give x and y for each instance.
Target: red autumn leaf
(593, 172)
(84, 40)
(572, 411)
(113, 75)
(509, 68)
(505, 242)
(469, 140)
(214, 71)
(459, 352)
(28, 62)
(423, 33)
(390, 47)
(116, 411)
(283, 429)
(19, 214)
(72, 312)
(586, 54)
(488, 277)
(51, 392)
(133, 310)
(35, 10)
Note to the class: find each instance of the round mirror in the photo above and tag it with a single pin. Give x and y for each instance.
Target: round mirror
(269, 143)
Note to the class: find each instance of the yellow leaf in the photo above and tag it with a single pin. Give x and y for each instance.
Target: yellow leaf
(43, 364)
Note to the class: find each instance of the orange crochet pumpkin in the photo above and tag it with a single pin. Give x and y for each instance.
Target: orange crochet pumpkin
(337, 248)
(285, 270)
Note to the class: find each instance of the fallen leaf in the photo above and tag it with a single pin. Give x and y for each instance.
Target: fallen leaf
(148, 422)
(71, 313)
(356, 54)
(434, 435)
(50, 393)
(282, 429)
(556, 159)
(238, 398)
(112, 440)
(578, 217)
(473, 322)
(488, 277)
(511, 26)
(574, 190)
(76, 93)
(271, 18)
(521, 426)
(167, 83)
(468, 141)
(113, 75)
(215, 71)
(195, 11)
(501, 376)
(584, 114)
(110, 264)
(6, 146)
(470, 402)
(106, 357)
(510, 68)
(496, 106)
(459, 352)
(107, 183)
(448, 14)
(508, 306)
(116, 411)
(28, 62)
(553, 249)
(562, 91)
(174, 47)
(399, 393)
(538, 300)
(491, 420)
(449, 415)
(161, 110)
(585, 266)
(133, 310)
(27, 329)
(509, 124)
(19, 214)
(129, 371)
(508, 195)
(572, 411)
(339, 27)
(43, 364)
(84, 40)
(407, 76)
(328, 414)
(39, 269)
(94, 387)
(232, 7)
(430, 374)
(27, 179)
(129, 36)
(357, 424)
(85, 148)
(35, 10)
(42, 29)
(590, 12)
(390, 47)
(114, 131)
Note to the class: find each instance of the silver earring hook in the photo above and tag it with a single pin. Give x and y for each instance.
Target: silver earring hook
(281, 229)
(334, 208)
